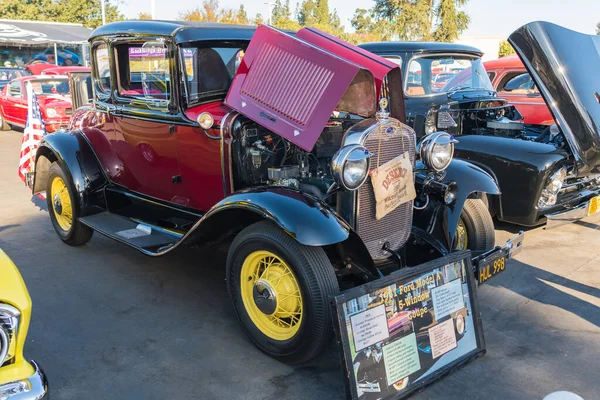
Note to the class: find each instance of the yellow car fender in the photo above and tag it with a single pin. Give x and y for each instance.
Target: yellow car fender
(14, 292)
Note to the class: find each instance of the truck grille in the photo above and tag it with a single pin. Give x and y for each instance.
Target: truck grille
(395, 227)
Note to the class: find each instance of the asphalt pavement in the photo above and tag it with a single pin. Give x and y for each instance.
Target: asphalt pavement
(111, 323)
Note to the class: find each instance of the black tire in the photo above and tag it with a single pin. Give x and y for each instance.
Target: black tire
(78, 233)
(479, 226)
(316, 280)
(489, 202)
(4, 126)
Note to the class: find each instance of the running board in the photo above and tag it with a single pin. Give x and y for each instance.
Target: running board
(146, 238)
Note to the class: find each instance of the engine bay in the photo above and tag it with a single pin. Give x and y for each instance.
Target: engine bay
(505, 121)
(260, 157)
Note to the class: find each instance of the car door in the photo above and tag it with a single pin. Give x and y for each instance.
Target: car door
(15, 106)
(143, 138)
(518, 88)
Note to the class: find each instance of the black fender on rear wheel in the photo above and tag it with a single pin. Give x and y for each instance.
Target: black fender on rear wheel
(63, 208)
(280, 291)
(475, 229)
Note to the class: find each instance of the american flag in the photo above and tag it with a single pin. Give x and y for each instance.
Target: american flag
(33, 133)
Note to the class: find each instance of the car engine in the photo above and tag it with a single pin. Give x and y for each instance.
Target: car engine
(261, 157)
(505, 121)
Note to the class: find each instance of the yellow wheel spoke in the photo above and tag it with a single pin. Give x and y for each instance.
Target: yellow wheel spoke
(278, 287)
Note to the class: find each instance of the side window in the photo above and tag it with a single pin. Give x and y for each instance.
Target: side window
(144, 74)
(102, 64)
(491, 75)
(394, 59)
(414, 79)
(208, 71)
(520, 84)
(15, 89)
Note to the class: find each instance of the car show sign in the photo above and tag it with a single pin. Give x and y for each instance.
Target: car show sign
(408, 329)
(393, 185)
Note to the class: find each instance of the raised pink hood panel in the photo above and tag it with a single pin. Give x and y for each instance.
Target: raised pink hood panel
(290, 86)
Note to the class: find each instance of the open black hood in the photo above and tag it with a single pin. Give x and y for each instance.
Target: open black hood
(566, 67)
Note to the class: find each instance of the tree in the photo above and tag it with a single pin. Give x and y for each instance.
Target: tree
(144, 16)
(281, 16)
(86, 12)
(505, 49)
(598, 29)
(451, 22)
(440, 20)
(210, 11)
(258, 19)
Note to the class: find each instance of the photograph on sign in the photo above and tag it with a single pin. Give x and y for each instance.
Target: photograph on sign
(403, 331)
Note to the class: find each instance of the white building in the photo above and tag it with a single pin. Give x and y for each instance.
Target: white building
(488, 44)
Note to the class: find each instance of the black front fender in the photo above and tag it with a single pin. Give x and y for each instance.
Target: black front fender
(469, 179)
(303, 217)
(77, 159)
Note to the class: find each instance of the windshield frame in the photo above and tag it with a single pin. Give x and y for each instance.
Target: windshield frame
(440, 55)
(50, 78)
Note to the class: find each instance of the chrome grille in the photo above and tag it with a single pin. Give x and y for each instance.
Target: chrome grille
(395, 227)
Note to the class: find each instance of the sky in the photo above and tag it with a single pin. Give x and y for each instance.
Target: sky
(488, 18)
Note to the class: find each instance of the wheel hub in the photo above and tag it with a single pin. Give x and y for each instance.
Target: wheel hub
(57, 204)
(265, 297)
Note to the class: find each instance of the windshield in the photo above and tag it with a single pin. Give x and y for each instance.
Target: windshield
(49, 87)
(445, 73)
(7, 74)
(209, 71)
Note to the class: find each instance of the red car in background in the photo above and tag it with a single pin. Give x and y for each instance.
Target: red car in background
(53, 95)
(64, 70)
(512, 82)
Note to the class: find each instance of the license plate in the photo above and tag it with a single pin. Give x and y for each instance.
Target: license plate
(491, 266)
(594, 206)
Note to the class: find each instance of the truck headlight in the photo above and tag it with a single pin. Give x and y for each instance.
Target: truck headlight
(437, 150)
(9, 324)
(350, 166)
(550, 191)
(51, 112)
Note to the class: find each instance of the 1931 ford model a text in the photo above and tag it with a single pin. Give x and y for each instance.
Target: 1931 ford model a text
(198, 134)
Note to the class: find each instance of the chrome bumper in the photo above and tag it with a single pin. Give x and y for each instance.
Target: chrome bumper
(33, 388)
(566, 217)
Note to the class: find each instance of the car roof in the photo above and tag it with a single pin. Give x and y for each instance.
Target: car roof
(419, 47)
(180, 31)
(511, 61)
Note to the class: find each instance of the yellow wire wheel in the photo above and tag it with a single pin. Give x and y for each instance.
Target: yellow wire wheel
(271, 295)
(462, 238)
(61, 203)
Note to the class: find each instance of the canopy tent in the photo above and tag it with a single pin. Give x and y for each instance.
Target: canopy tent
(34, 32)
(26, 41)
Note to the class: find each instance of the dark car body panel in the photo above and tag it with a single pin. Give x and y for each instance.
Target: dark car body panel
(78, 160)
(520, 167)
(520, 170)
(470, 179)
(564, 65)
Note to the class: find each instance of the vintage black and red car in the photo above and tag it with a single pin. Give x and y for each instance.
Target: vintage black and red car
(200, 133)
(548, 174)
(53, 97)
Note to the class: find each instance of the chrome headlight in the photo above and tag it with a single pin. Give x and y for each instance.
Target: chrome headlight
(430, 122)
(437, 150)
(9, 325)
(350, 166)
(550, 191)
(51, 112)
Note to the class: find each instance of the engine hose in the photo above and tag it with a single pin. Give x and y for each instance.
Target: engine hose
(543, 135)
(311, 189)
